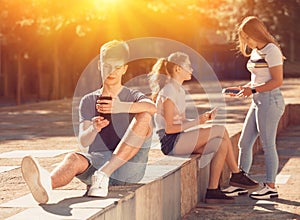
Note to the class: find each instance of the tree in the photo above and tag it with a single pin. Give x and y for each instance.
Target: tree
(53, 41)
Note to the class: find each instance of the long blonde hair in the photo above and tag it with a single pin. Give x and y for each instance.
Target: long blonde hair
(163, 70)
(256, 30)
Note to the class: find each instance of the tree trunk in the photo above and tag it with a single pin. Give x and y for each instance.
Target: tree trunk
(19, 80)
(292, 47)
(55, 94)
(6, 92)
(39, 79)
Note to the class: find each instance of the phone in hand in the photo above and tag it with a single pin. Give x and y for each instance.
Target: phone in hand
(213, 112)
(231, 91)
(215, 109)
(108, 115)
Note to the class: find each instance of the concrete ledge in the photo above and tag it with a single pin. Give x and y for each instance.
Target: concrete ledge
(168, 189)
(171, 187)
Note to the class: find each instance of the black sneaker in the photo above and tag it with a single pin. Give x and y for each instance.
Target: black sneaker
(242, 180)
(216, 196)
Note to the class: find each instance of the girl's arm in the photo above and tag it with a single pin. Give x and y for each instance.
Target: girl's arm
(239, 87)
(246, 85)
(276, 81)
(171, 128)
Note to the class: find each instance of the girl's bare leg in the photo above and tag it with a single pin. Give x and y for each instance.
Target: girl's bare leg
(206, 140)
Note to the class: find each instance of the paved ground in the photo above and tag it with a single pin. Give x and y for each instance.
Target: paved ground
(287, 206)
(48, 126)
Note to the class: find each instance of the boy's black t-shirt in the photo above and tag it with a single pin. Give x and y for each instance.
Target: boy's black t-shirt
(110, 136)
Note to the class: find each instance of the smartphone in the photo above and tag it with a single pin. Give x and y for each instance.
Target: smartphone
(106, 116)
(233, 91)
(214, 109)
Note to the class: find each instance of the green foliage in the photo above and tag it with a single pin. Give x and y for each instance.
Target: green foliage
(39, 30)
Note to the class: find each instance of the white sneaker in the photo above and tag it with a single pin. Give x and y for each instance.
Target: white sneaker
(234, 191)
(265, 193)
(99, 187)
(37, 179)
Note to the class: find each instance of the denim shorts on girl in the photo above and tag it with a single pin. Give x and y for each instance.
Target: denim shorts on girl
(167, 141)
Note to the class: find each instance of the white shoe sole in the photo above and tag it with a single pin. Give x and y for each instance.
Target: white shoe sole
(232, 191)
(237, 193)
(32, 176)
(268, 196)
(96, 192)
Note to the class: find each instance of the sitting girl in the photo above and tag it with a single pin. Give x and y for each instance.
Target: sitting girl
(166, 79)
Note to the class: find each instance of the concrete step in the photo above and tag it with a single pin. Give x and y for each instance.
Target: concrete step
(171, 187)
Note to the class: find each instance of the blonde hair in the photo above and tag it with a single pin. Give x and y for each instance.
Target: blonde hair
(255, 29)
(163, 70)
(114, 49)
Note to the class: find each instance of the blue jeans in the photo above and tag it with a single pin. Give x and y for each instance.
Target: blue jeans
(131, 172)
(262, 120)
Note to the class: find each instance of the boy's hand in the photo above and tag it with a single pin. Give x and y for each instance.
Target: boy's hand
(112, 106)
(99, 123)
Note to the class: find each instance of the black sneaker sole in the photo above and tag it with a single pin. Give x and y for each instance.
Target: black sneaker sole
(219, 201)
(243, 186)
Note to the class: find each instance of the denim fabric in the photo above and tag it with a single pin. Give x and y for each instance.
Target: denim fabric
(262, 120)
(167, 141)
(131, 172)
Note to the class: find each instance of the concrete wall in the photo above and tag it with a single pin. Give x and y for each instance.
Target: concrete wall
(173, 186)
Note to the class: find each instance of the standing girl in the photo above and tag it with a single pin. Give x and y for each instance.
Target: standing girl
(266, 67)
(166, 81)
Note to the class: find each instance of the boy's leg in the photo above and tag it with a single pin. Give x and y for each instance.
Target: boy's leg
(72, 165)
(40, 182)
(128, 147)
(134, 170)
(130, 144)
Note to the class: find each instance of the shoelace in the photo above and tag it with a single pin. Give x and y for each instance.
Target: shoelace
(97, 180)
(244, 173)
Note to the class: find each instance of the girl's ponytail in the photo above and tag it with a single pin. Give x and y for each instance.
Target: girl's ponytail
(158, 77)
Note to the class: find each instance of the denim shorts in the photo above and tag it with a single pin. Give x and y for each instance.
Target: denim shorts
(168, 141)
(131, 172)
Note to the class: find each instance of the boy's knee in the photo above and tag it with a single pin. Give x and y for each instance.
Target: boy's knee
(143, 116)
(144, 121)
(75, 158)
